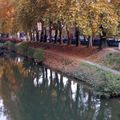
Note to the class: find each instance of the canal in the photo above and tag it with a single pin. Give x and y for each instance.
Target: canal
(29, 91)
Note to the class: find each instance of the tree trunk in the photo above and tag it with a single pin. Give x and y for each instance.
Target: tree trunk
(68, 37)
(77, 36)
(103, 41)
(42, 34)
(50, 31)
(30, 34)
(90, 41)
(60, 36)
(60, 31)
(33, 35)
(45, 35)
(37, 35)
(56, 34)
(41, 38)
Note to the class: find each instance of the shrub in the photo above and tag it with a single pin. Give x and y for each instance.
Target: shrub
(105, 83)
(110, 86)
(23, 48)
(10, 45)
(39, 55)
(30, 52)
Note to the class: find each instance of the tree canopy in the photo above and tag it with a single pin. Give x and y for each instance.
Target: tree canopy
(87, 15)
(6, 15)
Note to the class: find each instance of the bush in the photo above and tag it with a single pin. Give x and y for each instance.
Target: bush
(23, 48)
(110, 86)
(104, 83)
(39, 55)
(30, 52)
(10, 45)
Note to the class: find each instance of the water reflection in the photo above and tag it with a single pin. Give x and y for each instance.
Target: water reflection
(2, 110)
(29, 91)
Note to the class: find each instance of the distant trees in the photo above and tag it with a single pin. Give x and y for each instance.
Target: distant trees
(116, 4)
(101, 19)
(6, 15)
(84, 16)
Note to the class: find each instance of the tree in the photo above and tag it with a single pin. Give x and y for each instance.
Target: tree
(97, 13)
(85, 17)
(116, 4)
(6, 15)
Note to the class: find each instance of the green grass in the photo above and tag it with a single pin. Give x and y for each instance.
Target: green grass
(104, 83)
(28, 51)
(112, 60)
(23, 48)
(39, 55)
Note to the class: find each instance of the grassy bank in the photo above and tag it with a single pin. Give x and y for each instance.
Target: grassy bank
(111, 60)
(25, 50)
(104, 83)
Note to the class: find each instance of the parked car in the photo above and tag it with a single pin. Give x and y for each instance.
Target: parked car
(112, 42)
(96, 41)
(83, 40)
(4, 35)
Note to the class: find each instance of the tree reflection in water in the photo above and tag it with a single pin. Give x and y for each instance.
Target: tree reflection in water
(29, 91)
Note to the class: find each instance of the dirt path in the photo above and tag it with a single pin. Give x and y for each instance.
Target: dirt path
(104, 68)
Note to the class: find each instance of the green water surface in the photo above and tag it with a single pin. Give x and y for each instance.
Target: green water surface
(29, 91)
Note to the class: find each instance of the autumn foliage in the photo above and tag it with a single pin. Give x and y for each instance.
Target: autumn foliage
(87, 15)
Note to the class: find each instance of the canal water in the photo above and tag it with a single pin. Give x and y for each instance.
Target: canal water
(29, 91)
